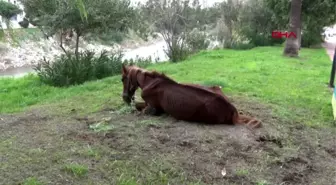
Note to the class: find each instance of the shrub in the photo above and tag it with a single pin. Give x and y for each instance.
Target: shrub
(177, 52)
(71, 70)
(197, 41)
(238, 45)
(67, 69)
(140, 62)
(8, 10)
(311, 38)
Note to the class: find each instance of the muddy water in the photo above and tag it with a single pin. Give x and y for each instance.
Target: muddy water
(156, 51)
(16, 72)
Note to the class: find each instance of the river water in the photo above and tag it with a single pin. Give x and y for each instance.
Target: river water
(156, 51)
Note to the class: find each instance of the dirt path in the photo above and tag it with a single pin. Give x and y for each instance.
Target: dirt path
(62, 149)
(330, 48)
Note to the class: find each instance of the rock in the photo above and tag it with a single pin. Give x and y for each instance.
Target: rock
(2, 67)
(7, 61)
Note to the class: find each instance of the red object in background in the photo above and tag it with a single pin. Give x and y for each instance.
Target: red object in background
(279, 34)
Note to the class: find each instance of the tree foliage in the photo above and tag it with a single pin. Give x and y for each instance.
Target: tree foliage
(8, 10)
(100, 16)
(175, 20)
(315, 15)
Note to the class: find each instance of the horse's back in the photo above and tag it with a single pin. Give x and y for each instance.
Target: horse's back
(195, 104)
(181, 102)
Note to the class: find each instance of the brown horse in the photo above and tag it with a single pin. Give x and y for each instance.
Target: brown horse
(216, 89)
(181, 101)
(141, 106)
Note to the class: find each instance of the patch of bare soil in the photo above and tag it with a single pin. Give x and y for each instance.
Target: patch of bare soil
(33, 144)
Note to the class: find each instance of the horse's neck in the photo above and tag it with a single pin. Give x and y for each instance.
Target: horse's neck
(144, 81)
(147, 80)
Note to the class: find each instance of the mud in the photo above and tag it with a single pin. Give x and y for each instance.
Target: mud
(278, 153)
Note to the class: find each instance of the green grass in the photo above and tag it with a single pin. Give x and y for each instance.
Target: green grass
(242, 172)
(31, 181)
(295, 88)
(76, 169)
(18, 94)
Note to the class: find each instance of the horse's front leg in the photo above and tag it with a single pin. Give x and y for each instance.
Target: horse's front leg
(151, 104)
(140, 106)
(149, 110)
(145, 108)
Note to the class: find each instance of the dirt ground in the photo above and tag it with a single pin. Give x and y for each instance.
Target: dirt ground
(155, 150)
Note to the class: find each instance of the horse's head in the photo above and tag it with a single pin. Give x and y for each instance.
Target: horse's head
(130, 82)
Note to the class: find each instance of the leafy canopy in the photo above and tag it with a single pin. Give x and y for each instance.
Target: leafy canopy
(8, 10)
(100, 15)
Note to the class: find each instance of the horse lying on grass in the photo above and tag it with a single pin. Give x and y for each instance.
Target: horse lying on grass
(143, 106)
(186, 102)
(140, 106)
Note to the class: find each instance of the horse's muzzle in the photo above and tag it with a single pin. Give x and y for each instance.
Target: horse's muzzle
(127, 99)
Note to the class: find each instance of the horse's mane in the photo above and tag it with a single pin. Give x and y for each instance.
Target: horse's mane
(153, 74)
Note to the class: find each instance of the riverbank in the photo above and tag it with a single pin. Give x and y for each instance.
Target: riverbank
(29, 52)
(20, 61)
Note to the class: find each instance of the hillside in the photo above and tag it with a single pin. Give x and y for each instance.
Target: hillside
(85, 135)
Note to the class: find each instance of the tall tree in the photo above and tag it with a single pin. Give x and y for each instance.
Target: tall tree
(292, 43)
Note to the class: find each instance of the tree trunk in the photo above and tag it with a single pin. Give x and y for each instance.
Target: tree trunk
(77, 43)
(292, 43)
(61, 43)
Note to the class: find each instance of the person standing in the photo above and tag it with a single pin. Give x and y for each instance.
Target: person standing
(332, 74)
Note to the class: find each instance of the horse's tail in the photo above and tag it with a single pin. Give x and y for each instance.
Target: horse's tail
(246, 120)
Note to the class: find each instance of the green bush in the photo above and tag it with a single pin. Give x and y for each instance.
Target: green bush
(140, 62)
(197, 41)
(237, 44)
(8, 10)
(310, 38)
(71, 70)
(177, 52)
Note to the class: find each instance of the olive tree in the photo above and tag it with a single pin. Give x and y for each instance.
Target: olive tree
(175, 20)
(80, 16)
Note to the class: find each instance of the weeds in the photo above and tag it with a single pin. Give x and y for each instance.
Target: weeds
(76, 169)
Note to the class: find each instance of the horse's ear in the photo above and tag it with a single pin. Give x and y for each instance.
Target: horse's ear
(123, 70)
